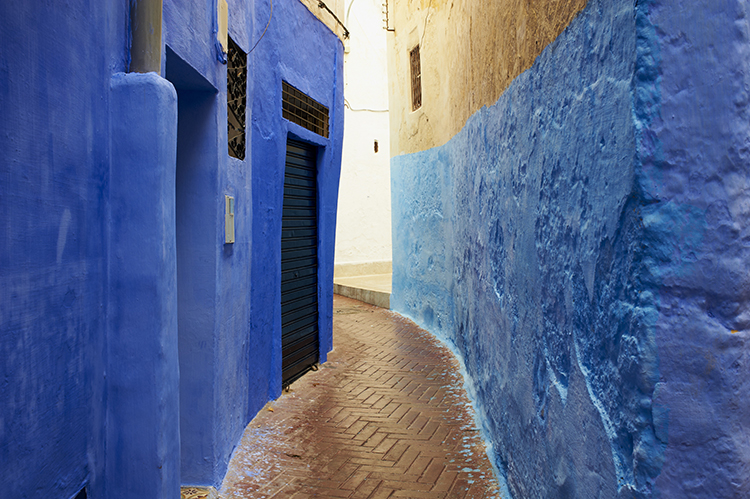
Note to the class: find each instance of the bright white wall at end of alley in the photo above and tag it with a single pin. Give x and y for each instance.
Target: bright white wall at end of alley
(363, 228)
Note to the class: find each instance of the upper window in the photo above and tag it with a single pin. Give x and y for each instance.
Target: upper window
(236, 99)
(416, 79)
(303, 110)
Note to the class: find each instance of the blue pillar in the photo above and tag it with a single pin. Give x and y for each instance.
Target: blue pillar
(143, 443)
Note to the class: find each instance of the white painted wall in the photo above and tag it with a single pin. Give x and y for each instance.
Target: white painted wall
(363, 229)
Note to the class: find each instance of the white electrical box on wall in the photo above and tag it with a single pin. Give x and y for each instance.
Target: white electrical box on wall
(229, 220)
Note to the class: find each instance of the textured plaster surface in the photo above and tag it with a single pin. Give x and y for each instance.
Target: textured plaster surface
(229, 367)
(470, 52)
(213, 278)
(143, 438)
(114, 275)
(298, 49)
(582, 244)
(694, 135)
(54, 168)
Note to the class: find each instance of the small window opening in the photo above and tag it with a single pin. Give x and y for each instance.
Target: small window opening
(376, 146)
(301, 109)
(236, 99)
(416, 79)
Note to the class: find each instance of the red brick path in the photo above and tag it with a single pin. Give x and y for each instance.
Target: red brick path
(386, 416)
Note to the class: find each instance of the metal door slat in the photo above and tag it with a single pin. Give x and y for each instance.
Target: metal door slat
(296, 370)
(302, 305)
(301, 242)
(297, 232)
(289, 277)
(306, 329)
(291, 223)
(310, 253)
(301, 350)
(296, 285)
(294, 265)
(295, 295)
(299, 263)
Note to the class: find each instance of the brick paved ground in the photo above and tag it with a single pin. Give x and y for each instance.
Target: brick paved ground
(386, 416)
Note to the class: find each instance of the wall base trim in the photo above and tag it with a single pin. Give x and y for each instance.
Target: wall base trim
(362, 268)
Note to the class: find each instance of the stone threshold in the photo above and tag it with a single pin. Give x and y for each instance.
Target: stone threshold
(374, 289)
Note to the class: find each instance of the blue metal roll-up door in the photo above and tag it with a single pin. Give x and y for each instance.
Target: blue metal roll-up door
(299, 263)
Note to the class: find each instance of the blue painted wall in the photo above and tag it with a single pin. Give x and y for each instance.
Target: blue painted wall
(693, 135)
(54, 183)
(130, 360)
(581, 245)
(229, 365)
(298, 49)
(209, 426)
(143, 379)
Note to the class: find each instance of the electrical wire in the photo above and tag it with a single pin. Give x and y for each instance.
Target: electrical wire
(346, 19)
(270, 16)
(322, 5)
(346, 104)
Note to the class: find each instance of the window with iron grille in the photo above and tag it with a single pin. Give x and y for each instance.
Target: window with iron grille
(236, 99)
(416, 79)
(303, 110)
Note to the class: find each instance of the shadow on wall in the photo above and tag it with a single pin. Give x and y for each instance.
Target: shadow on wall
(196, 191)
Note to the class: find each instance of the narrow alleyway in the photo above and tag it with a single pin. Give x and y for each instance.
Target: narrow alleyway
(386, 416)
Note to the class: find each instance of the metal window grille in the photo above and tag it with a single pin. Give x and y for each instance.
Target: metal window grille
(416, 79)
(236, 99)
(304, 111)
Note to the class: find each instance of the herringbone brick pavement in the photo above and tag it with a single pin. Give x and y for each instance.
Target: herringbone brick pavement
(386, 416)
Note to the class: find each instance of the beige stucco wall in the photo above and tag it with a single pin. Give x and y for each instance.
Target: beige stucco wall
(337, 6)
(470, 52)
